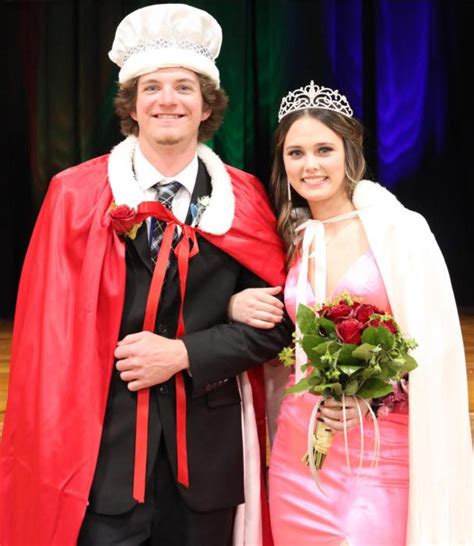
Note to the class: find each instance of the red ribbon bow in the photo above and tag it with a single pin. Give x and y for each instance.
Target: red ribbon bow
(186, 248)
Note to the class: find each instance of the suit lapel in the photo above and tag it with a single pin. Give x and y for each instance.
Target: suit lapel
(201, 188)
(142, 247)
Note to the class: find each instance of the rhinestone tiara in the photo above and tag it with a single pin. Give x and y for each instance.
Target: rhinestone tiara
(314, 96)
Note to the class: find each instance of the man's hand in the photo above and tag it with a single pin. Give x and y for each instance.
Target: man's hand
(145, 359)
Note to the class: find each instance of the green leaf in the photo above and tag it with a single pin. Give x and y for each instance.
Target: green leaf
(317, 389)
(378, 336)
(306, 319)
(369, 336)
(374, 388)
(345, 355)
(351, 387)
(349, 369)
(301, 386)
(364, 351)
(371, 371)
(327, 325)
(323, 348)
(387, 339)
(332, 389)
(315, 377)
(387, 372)
(309, 343)
(399, 362)
(411, 363)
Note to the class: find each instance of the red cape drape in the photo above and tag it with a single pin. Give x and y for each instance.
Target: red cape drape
(66, 327)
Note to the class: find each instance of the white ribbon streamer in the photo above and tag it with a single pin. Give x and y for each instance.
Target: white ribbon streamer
(313, 238)
(314, 246)
(311, 440)
(310, 445)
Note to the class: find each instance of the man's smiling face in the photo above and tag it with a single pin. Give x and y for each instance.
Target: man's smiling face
(169, 107)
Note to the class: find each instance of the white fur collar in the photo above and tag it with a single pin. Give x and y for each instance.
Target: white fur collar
(219, 214)
(368, 194)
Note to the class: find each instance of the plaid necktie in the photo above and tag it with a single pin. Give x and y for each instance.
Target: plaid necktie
(166, 193)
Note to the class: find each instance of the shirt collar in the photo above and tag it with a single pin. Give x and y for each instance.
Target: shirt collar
(147, 175)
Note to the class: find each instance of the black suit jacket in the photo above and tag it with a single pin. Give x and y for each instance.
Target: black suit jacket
(218, 351)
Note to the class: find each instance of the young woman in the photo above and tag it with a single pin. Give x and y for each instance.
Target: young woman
(355, 235)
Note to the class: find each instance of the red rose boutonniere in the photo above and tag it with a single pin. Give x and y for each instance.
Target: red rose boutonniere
(124, 220)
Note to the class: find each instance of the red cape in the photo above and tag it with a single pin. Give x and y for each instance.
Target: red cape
(66, 328)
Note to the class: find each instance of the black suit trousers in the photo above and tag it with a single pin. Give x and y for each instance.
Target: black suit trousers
(163, 520)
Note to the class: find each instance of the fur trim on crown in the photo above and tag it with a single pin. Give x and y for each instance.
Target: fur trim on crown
(219, 214)
(368, 193)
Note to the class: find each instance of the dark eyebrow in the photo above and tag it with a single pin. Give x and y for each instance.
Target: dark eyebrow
(317, 145)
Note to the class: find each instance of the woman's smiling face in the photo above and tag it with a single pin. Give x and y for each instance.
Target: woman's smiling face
(314, 160)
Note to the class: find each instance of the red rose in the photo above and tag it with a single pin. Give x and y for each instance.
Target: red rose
(348, 330)
(387, 324)
(336, 312)
(364, 311)
(123, 218)
(122, 212)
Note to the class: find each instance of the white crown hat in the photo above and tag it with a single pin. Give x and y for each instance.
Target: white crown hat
(314, 96)
(167, 35)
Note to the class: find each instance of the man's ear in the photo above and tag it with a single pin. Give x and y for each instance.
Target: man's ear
(206, 114)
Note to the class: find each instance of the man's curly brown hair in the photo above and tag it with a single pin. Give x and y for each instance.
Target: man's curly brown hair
(214, 99)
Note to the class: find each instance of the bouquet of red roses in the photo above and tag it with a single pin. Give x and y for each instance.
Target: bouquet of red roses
(352, 349)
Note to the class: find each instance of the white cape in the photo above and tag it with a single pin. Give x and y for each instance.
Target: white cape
(422, 301)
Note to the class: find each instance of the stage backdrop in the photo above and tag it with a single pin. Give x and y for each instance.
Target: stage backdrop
(402, 63)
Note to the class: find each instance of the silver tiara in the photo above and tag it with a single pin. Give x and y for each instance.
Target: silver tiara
(314, 96)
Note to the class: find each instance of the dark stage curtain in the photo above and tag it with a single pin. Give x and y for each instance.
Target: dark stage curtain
(402, 63)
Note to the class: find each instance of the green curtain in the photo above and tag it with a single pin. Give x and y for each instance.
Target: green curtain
(76, 82)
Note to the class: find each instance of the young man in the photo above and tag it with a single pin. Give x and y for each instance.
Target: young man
(124, 418)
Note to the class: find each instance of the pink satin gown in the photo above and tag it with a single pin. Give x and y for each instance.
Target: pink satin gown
(362, 508)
